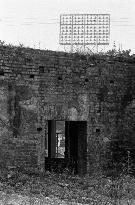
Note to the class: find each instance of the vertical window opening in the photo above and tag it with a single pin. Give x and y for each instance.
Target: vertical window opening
(60, 139)
(56, 139)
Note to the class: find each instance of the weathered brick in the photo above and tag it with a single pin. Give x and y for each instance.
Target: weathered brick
(62, 86)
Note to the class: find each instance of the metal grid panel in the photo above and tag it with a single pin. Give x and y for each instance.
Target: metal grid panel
(80, 29)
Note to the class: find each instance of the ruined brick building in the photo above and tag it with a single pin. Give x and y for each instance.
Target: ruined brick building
(63, 110)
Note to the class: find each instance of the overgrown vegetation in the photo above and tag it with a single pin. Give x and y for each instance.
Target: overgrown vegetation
(66, 188)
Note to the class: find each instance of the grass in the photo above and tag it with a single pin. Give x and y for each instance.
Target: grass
(69, 189)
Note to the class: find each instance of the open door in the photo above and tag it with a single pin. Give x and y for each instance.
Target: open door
(76, 145)
(67, 146)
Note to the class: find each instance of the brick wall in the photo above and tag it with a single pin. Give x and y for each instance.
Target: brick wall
(37, 86)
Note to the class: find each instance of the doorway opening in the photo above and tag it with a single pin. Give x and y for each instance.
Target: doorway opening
(67, 146)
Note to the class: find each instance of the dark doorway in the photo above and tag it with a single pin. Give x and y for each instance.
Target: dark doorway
(76, 145)
(75, 155)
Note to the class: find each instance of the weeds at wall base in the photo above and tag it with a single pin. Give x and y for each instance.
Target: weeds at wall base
(98, 189)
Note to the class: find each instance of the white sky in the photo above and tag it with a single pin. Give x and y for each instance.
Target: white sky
(32, 21)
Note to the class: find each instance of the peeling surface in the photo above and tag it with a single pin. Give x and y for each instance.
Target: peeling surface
(70, 87)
